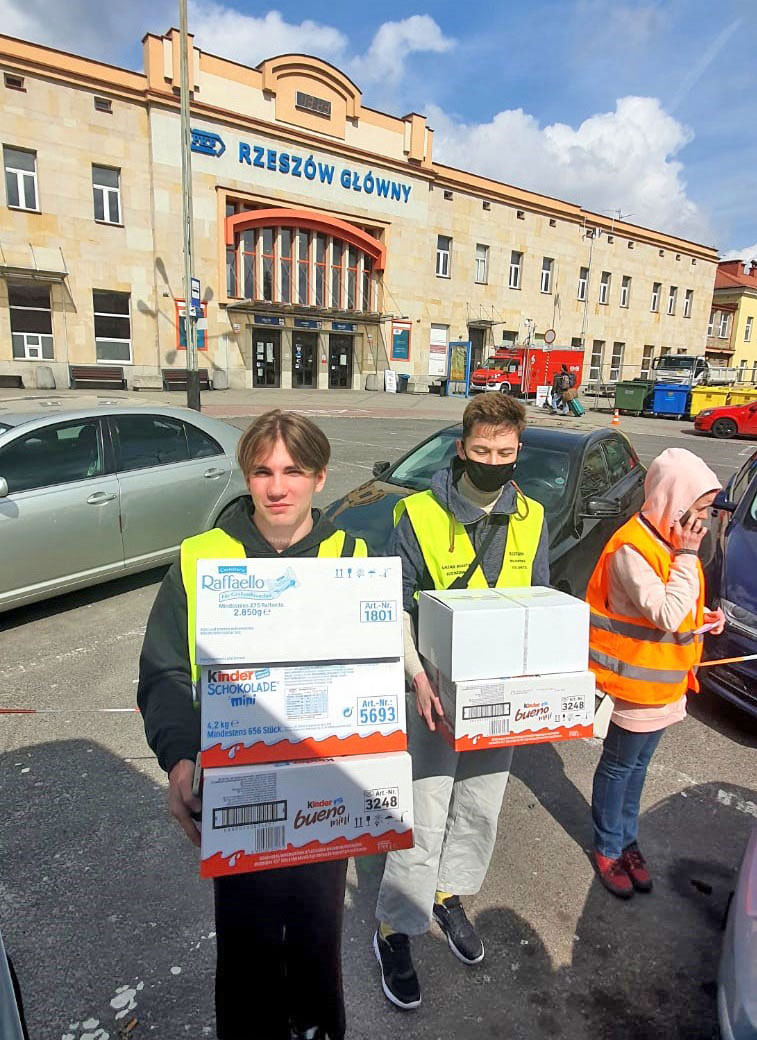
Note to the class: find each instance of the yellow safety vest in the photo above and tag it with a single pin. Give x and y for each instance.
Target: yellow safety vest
(448, 551)
(218, 545)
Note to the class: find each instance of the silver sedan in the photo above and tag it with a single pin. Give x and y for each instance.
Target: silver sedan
(94, 488)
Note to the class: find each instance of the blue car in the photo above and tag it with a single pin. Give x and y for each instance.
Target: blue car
(732, 584)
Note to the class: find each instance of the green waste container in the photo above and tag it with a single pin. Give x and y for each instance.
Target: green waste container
(631, 395)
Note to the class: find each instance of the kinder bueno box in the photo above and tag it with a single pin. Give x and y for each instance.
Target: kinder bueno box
(288, 813)
(286, 609)
(530, 709)
(557, 630)
(280, 713)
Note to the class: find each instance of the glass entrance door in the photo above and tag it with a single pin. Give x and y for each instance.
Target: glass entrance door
(266, 357)
(304, 353)
(340, 362)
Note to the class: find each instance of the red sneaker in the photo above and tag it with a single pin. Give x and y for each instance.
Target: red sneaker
(612, 874)
(635, 866)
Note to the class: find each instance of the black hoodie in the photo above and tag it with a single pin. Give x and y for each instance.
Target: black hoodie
(164, 694)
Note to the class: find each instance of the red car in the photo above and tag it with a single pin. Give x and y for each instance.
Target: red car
(728, 420)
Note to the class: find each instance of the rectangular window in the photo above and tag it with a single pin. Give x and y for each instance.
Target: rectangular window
(103, 104)
(482, 264)
(688, 303)
(20, 178)
(309, 103)
(31, 321)
(748, 329)
(249, 265)
(443, 249)
(604, 287)
(547, 266)
(625, 291)
(303, 267)
(646, 360)
(268, 251)
(672, 297)
(231, 271)
(336, 274)
(516, 269)
(595, 366)
(724, 323)
(664, 351)
(711, 324)
(106, 188)
(583, 283)
(367, 284)
(352, 263)
(616, 363)
(654, 304)
(321, 246)
(112, 325)
(285, 265)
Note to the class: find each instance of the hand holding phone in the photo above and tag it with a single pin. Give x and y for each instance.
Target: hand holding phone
(687, 532)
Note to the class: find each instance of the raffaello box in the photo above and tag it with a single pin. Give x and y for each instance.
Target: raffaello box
(288, 813)
(529, 709)
(280, 713)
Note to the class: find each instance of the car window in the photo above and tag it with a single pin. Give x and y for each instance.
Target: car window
(201, 445)
(620, 460)
(145, 441)
(594, 477)
(4, 426)
(417, 469)
(55, 454)
(741, 481)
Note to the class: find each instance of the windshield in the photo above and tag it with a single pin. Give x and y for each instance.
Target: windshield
(541, 473)
(4, 426)
(675, 362)
(501, 365)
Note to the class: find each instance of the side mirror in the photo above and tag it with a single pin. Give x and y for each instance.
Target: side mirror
(722, 501)
(601, 508)
(380, 468)
(3, 487)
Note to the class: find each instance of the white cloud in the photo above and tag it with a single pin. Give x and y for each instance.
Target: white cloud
(746, 254)
(225, 31)
(614, 160)
(393, 43)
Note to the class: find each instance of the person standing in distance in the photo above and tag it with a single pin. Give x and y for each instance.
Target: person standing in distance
(278, 932)
(474, 528)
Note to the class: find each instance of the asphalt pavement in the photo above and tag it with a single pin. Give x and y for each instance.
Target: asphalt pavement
(112, 930)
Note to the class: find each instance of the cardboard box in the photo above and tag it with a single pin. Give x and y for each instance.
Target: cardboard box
(557, 630)
(288, 609)
(471, 633)
(530, 709)
(275, 714)
(282, 815)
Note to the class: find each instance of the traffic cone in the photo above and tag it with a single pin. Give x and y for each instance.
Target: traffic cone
(615, 421)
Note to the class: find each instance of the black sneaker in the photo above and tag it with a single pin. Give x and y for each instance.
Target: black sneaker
(314, 1033)
(461, 935)
(398, 979)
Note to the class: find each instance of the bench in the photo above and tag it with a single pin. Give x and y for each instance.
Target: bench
(176, 379)
(8, 381)
(100, 377)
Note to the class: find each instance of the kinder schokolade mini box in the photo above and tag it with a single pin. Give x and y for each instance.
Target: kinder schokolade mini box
(286, 610)
(272, 714)
(530, 709)
(288, 813)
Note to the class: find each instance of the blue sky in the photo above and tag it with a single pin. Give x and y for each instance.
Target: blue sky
(645, 107)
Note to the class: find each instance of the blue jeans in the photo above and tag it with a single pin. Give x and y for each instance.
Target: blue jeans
(618, 783)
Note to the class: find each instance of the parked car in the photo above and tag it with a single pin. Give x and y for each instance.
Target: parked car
(92, 489)
(589, 484)
(728, 420)
(732, 583)
(737, 976)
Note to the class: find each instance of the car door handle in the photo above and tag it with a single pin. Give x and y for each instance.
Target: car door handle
(99, 498)
(214, 473)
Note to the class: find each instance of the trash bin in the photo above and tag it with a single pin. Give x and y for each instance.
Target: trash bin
(745, 395)
(402, 382)
(708, 397)
(671, 399)
(631, 395)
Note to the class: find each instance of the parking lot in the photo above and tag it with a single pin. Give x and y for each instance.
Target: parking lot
(111, 928)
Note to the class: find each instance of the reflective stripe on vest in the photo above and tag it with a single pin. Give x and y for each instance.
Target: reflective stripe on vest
(218, 545)
(631, 658)
(448, 551)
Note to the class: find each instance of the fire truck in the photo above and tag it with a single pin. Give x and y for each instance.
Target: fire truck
(520, 370)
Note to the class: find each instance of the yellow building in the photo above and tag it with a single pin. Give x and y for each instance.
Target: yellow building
(732, 332)
(329, 244)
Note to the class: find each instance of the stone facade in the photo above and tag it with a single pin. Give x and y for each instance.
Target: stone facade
(357, 167)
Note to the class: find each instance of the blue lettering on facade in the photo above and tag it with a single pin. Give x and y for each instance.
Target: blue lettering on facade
(207, 143)
(258, 160)
(244, 153)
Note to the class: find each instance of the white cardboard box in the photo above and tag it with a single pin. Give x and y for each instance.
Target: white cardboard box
(471, 633)
(288, 813)
(289, 609)
(273, 714)
(557, 630)
(530, 709)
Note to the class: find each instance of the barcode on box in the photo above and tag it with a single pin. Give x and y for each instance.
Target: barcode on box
(269, 839)
(486, 711)
(245, 815)
(499, 727)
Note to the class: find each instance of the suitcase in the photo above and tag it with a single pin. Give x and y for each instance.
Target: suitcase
(576, 407)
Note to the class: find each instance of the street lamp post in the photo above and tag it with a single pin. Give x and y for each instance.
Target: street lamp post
(193, 376)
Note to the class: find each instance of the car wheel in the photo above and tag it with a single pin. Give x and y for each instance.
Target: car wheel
(723, 428)
(504, 388)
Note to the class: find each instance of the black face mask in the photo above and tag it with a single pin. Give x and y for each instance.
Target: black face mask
(488, 477)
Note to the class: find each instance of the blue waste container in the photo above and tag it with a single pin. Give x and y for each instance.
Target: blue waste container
(671, 399)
